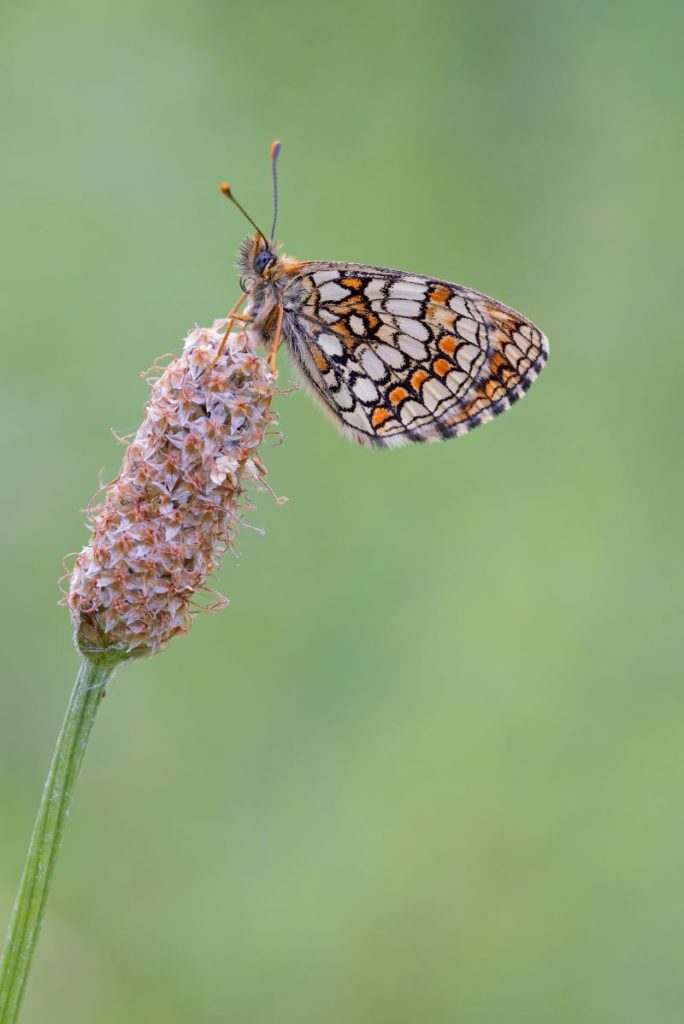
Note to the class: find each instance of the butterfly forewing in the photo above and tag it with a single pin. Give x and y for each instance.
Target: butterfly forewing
(399, 357)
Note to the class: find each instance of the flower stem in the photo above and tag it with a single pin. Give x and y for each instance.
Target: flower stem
(34, 887)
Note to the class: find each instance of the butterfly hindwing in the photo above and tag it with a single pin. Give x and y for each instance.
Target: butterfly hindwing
(400, 357)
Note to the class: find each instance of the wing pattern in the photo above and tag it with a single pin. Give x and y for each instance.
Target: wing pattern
(399, 357)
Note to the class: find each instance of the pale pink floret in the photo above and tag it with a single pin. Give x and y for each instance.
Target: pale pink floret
(174, 508)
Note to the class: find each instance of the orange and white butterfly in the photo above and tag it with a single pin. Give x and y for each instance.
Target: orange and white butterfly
(392, 357)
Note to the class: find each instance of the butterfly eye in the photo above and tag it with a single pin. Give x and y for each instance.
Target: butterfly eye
(262, 260)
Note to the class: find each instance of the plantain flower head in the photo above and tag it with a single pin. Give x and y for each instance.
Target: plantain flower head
(163, 524)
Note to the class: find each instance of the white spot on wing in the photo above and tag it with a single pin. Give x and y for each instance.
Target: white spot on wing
(357, 325)
(412, 410)
(325, 314)
(433, 393)
(513, 354)
(373, 289)
(321, 276)
(467, 329)
(522, 341)
(392, 356)
(357, 418)
(330, 344)
(415, 328)
(332, 292)
(365, 389)
(403, 307)
(466, 355)
(343, 397)
(456, 379)
(458, 305)
(413, 348)
(407, 289)
(373, 366)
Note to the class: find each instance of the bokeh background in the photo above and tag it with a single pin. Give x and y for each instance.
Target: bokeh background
(428, 766)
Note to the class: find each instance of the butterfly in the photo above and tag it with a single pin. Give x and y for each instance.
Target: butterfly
(392, 357)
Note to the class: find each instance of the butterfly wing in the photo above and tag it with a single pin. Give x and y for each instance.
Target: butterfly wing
(397, 357)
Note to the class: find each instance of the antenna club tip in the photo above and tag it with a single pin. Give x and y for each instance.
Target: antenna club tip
(225, 188)
(275, 149)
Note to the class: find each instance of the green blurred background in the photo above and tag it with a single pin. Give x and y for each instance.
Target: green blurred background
(428, 766)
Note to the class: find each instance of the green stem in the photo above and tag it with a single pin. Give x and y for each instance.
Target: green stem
(47, 834)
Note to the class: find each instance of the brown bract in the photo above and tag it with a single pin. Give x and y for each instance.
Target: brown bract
(175, 505)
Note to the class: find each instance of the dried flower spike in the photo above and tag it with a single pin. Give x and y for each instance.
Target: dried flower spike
(175, 506)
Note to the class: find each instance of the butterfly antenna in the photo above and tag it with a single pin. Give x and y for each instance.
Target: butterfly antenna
(228, 193)
(275, 150)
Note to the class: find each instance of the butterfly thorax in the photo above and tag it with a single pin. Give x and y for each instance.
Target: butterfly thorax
(268, 279)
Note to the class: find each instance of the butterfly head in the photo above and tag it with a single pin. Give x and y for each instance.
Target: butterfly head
(263, 260)
(256, 258)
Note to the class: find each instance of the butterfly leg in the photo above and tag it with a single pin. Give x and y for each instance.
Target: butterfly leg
(231, 318)
(277, 338)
